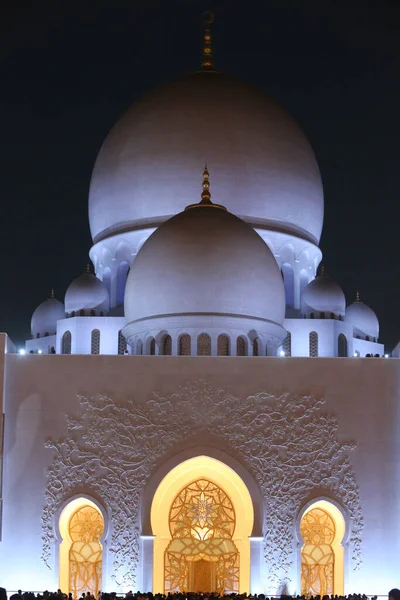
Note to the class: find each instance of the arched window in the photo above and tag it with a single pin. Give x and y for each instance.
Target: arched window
(287, 344)
(311, 315)
(313, 342)
(139, 348)
(223, 344)
(342, 345)
(332, 315)
(255, 347)
(66, 343)
(322, 315)
(204, 345)
(122, 274)
(95, 345)
(166, 345)
(241, 346)
(82, 312)
(152, 347)
(38, 335)
(121, 343)
(92, 313)
(288, 280)
(184, 345)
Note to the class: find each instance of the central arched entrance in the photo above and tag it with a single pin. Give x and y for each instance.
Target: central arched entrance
(201, 555)
(202, 516)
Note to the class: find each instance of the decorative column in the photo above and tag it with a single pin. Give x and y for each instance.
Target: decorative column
(257, 565)
(147, 553)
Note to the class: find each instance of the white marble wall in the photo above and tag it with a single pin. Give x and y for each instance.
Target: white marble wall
(363, 395)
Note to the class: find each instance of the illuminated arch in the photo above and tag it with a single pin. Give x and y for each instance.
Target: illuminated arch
(81, 514)
(323, 518)
(201, 467)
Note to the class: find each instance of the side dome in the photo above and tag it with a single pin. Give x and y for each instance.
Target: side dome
(205, 270)
(45, 317)
(264, 167)
(323, 298)
(364, 321)
(86, 296)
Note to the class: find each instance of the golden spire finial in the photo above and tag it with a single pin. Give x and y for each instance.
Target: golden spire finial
(322, 270)
(88, 268)
(358, 296)
(52, 293)
(207, 62)
(206, 194)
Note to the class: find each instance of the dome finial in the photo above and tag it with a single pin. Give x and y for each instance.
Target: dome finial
(358, 296)
(206, 194)
(207, 62)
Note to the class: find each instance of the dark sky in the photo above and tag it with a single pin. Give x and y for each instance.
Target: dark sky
(69, 69)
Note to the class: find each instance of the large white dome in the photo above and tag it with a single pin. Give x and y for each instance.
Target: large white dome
(207, 263)
(263, 166)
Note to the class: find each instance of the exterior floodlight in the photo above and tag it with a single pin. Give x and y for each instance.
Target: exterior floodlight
(21, 351)
(40, 351)
(386, 355)
(281, 353)
(356, 354)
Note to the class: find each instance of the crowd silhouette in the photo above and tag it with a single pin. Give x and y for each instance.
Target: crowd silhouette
(394, 594)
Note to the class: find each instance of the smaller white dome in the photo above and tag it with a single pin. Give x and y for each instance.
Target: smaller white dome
(363, 319)
(323, 296)
(205, 270)
(44, 319)
(86, 295)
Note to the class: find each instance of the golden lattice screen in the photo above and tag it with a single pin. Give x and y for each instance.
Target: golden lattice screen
(317, 529)
(85, 555)
(202, 556)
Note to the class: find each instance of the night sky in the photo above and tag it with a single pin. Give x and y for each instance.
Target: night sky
(68, 70)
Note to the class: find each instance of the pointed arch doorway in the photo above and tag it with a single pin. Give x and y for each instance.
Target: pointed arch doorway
(81, 525)
(202, 516)
(322, 529)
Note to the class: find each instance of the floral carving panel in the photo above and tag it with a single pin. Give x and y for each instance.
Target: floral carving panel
(288, 443)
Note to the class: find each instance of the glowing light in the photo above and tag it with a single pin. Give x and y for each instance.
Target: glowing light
(356, 354)
(21, 351)
(386, 355)
(281, 353)
(40, 351)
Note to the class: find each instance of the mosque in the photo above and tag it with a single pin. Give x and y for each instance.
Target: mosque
(204, 411)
